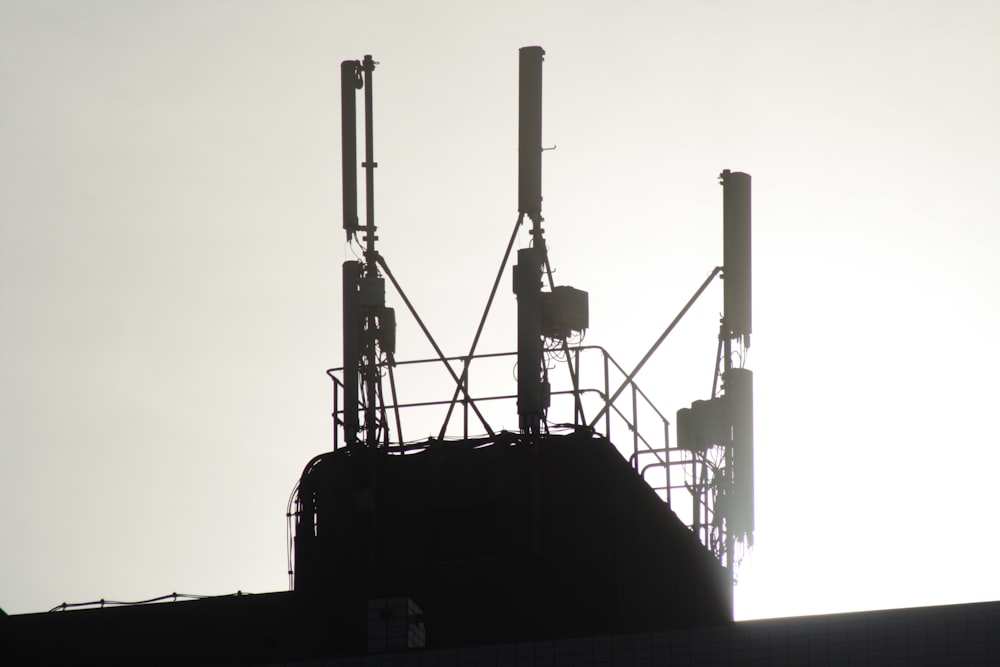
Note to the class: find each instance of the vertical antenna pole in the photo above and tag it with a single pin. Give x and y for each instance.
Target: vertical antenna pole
(352, 349)
(349, 82)
(739, 393)
(728, 486)
(351, 273)
(531, 394)
(368, 68)
(736, 253)
(529, 102)
(371, 272)
(737, 382)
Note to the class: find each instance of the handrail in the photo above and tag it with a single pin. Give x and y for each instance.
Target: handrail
(494, 355)
(640, 444)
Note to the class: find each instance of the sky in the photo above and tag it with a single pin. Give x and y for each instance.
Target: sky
(171, 242)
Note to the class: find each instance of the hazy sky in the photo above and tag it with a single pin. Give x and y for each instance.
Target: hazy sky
(170, 250)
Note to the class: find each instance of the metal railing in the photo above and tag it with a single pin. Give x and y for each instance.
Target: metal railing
(649, 444)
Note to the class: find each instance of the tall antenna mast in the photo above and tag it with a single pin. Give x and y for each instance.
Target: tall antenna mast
(737, 382)
(557, 313)
(532, 389)
(369, 327)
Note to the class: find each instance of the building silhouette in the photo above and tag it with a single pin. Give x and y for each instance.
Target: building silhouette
(542, 546)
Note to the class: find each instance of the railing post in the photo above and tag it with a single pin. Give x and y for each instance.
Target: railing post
(695, 502)
(635, 425)
(336, 420)
(666, 454)
(607, 396)
(577, 404)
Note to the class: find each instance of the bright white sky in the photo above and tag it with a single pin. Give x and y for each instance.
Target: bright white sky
(170, 251)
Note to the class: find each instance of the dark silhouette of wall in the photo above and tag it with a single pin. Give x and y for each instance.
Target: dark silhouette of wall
(503, 541)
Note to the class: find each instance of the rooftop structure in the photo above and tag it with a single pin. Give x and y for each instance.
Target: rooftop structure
(481, 535)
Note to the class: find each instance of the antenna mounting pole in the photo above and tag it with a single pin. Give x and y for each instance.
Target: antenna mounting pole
(532, 389)
(369, 327)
